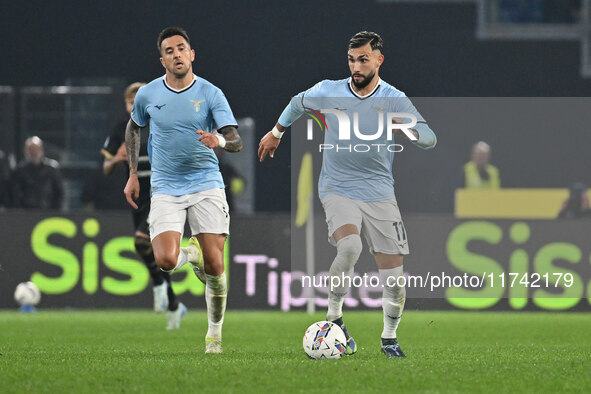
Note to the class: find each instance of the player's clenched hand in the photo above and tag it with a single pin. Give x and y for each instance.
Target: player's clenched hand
(210, 140)
(132, 190)
(268, 145)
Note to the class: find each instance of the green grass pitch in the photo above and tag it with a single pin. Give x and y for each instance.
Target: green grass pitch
(129, 351)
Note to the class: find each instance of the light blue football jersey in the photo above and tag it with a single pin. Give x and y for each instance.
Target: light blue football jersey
(181, 164)
(366, 174)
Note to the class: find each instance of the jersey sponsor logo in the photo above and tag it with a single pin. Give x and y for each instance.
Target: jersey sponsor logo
(197, 104)
(159, 106)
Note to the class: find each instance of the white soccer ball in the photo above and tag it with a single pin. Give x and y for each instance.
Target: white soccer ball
(324, 339)
(27, 294)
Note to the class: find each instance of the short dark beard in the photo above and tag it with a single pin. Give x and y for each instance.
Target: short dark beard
(364, 82)
(180, 76)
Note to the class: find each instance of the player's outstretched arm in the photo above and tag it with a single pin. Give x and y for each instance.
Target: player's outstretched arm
(132, 144)
(270, 142)
(424, 137)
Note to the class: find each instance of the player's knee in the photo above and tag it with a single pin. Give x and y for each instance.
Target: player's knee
(213, 259)
(166, 264)
(213, 265)
(166, 261)
(350, 246)
(143, 247)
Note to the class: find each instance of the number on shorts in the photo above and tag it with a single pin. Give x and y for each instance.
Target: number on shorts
(400, 232)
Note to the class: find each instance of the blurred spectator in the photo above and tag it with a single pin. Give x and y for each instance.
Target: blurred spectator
(115, 157)
(104, 190)
(234, 181)
(4, 180)
(37, 180)
(478, 173)
(577, 204)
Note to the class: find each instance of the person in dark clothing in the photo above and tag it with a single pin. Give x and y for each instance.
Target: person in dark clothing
(234, 182)
(4, 180)
(102, 192)
(577, 204)
(37, 181)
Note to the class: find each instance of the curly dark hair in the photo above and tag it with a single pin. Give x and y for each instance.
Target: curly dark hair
(365, 37)
(169, 32)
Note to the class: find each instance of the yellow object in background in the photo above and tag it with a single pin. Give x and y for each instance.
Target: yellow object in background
(305, 189)
(472, 179)
(509, 203)
(237, 186)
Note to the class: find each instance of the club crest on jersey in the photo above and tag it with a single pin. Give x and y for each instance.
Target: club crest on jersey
(197, 104)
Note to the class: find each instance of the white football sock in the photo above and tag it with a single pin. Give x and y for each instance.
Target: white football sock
(180, 261)
(348, 251)
(393, 299)
(216, 291)
(192, 253)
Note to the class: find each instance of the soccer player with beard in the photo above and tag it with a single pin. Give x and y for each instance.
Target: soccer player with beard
(186, 182)
(357, 189)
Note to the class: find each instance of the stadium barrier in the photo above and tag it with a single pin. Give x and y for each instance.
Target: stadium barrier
(85, 260)
(511, 203)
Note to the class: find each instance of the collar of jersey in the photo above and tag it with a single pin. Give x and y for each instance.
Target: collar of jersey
(179, 90)
(350, 80)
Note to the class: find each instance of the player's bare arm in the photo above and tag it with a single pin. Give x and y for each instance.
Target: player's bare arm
(230, 140)
(111, 162)
(132, 144)
(233, 140)
(270, 142)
